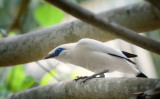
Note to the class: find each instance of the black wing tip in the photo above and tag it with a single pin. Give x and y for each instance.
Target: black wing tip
(131, 61)
(129, 55)
(123, 58)
(141, 75)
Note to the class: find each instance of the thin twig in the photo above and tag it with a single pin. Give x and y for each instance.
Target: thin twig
(16, 21)
(48, 71)
(107, 25)
(4, 34)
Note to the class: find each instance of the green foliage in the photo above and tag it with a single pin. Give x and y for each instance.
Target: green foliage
(48, 15)
(78, 1)
(3, 90)
(11, 33)
(17, 80)
(159, 33)
(48, 77)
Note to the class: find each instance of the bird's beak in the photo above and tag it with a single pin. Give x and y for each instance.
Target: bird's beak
(49, 56)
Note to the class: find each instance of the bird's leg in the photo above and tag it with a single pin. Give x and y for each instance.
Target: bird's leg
(101, 74)
(80, 77)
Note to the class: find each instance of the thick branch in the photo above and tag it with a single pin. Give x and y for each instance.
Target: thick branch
(107, 88)
(156, 3)
(28, 47)
(106, 25)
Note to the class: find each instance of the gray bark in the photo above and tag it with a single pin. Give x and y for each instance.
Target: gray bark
(140, 17)
(149, 94)
(107, 88)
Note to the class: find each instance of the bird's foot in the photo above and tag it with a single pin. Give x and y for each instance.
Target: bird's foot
(85, 78)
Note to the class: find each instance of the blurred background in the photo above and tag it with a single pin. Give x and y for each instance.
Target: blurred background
(22, 16)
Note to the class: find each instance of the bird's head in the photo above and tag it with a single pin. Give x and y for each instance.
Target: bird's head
(61, 52)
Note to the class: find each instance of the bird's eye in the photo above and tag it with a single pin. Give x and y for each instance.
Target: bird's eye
(57, 50)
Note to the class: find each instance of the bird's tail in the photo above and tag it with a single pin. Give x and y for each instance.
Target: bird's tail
(141, 75)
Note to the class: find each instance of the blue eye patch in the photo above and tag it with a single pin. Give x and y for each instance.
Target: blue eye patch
(58, 51)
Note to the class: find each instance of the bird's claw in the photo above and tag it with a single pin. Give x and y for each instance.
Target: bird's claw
(82, 82)
(85, 78)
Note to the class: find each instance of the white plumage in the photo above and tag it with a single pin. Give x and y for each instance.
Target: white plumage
(93, 55)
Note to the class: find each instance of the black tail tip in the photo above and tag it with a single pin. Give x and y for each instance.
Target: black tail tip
(141, 75)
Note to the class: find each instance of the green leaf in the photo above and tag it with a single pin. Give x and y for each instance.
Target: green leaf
(47, 78)
(1, 36)
(12, 33)
(27, 83)
(17, 79)
(47, 15)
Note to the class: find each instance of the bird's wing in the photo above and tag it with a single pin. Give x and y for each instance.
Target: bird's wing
(123, 58)
(94, 45)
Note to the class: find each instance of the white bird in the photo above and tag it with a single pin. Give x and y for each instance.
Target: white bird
(95, 56)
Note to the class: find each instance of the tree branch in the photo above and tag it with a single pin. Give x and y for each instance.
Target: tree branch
(48, 71)
(103, 88)
(156, 3)
(106, 25)
(33, 46)
(16, 23)
(149, 94)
